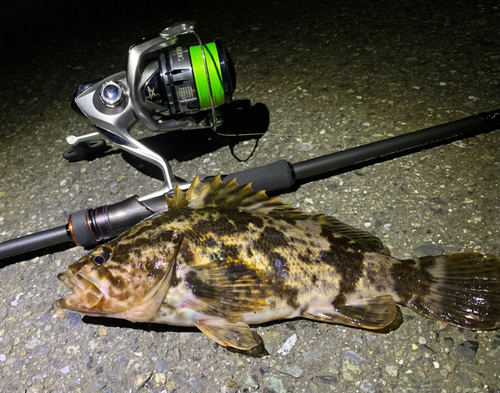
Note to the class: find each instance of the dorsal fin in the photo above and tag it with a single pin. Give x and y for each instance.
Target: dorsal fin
(358, 235)
(232, 196)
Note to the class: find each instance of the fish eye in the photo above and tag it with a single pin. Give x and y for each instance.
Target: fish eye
(101, 256)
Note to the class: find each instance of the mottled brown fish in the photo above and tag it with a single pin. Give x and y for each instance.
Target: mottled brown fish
(223, 257)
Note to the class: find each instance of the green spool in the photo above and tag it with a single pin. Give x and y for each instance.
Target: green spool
(200, 75)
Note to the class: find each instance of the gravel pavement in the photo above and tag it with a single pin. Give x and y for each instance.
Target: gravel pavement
(316, 77)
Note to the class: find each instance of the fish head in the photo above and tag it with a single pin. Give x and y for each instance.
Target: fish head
(125, 278)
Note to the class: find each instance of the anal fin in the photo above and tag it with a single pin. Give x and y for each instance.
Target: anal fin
(372, 313)
(233, 334)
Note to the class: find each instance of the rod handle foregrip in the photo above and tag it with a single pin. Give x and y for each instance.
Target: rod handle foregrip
(273, 178)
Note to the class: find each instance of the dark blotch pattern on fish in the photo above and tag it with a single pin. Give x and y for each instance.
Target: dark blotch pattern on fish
(242, 219)
(209, 241)
(219, 226)
(269, 240)
(139, 230)
(348, 264)
(378, 273)
(186, 255)
(287, 292)
(122, 252)
(229, 251)
(412, 279)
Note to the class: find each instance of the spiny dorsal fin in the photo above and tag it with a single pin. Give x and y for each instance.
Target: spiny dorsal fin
(232, 196)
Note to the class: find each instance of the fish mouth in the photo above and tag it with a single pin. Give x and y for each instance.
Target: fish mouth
(85, 297)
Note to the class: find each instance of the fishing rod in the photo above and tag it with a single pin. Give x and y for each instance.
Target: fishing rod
(170, 87)
(92, 226)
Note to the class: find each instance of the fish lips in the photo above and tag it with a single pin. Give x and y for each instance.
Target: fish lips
(86, 295)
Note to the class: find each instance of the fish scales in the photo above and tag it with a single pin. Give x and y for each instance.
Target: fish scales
(223, 257)
(300, 260)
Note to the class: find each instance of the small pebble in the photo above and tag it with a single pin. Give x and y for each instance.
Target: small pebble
(312, 356)
(175, 354)
(74, 319)
(264, 369)
(468, 349)
(367, 386)
(304, 147)
(250, 382)
(326, 379)
(3, 313)
(392, 371)
(160, 378)
(448, 342)
(294, 371)
(33, 343)
(99, 384)
(353, 356)
(193, 382)
(464, 379)
(141, 379)
(288, 345)
(161, 365)
(273, 385)
(65, 370)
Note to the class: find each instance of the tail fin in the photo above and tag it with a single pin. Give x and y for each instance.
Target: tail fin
(459, 289)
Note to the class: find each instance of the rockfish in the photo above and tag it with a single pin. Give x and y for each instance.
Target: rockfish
(223, 257)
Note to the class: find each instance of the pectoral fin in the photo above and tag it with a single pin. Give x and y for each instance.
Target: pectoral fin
(228, 290)
(237, 335)
(372, 313)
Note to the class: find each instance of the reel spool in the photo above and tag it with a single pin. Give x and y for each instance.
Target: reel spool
(180, 84)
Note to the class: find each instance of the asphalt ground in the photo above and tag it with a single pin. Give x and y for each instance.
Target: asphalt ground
(315, 78)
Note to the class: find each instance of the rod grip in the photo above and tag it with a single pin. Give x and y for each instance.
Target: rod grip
(90, 227)
(275, 177)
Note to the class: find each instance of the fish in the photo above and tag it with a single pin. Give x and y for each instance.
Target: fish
(223, 257)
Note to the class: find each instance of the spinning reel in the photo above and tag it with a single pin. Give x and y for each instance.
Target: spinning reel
(167, 87)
